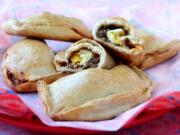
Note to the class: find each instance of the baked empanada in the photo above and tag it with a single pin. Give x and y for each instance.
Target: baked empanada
(95, 94)
(81, 55)
(132, 44)
(27, 61)
(48, 26)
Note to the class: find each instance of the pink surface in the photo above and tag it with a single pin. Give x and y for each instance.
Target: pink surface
(159, 17)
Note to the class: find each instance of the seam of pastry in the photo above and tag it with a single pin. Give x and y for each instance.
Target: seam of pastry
(76, 31)
(45, 95)
(140, 73)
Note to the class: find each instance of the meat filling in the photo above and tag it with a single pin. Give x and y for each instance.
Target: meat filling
(14, 80)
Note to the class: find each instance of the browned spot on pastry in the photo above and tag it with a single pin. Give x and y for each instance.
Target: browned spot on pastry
(13, 78)
(155, 54)
(129, 44)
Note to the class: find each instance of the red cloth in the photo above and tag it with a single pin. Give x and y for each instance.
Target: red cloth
(168, 124)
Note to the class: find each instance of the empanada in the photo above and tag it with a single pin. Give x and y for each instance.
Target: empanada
(27, 61)
(95, 94)
(81, 55)
(48, 26)
(132, 44)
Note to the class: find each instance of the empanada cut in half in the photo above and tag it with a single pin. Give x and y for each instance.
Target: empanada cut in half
(48, 26)
(27, 61)
(83, 54)
(95, 94)
(132, 44)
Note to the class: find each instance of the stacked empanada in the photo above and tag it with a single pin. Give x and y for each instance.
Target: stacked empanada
(48, 26)
(88, 81)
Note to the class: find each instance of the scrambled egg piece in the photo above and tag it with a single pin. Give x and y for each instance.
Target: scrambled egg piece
(114, 36)
(82, 57)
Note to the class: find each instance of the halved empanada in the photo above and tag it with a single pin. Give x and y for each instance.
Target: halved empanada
(48, 26)
(132, 44)
(26, 62)
(95, 94)
(81, 55)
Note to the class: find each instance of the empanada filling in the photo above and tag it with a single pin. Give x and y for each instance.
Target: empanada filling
(102, 32)
(84, 59)
(15, 81)
(119, 36)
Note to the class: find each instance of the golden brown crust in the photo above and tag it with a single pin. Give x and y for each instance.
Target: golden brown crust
(105, 108)
(30, 86)
(27, 61)
(105, 61)
(109, 95)
(155, 50)
(48, 26)
(161, 55)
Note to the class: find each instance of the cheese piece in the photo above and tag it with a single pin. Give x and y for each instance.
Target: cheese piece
(82, 57)
(76, 58)
(114, 36)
